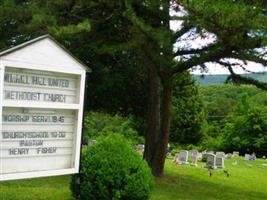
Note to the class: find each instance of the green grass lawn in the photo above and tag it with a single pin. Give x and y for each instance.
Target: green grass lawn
(52, 188)
(181, 182)
(191, 183)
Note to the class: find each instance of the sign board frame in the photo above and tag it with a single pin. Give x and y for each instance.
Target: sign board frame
(77, 107)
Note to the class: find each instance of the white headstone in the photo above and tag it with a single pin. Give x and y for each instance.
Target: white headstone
(194, 154)
(253, 157)
(228, 156)
(194, 160)
(220, 153)
(247, 157)
(140, 147)
(204, 152)
(250, 157)
(183, 157)
(235, 153)
(220, 161)
(200, 156)
(211, 161)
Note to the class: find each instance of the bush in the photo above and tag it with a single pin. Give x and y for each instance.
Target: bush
(103, 124)
(112, 170)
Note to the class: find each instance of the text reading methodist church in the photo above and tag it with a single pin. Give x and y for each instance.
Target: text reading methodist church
(41, 92)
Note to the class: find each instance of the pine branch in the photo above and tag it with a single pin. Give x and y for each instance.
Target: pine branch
(250, 57)
(214, 53)
(149, 31)
(238, 79)
(187, 52)
(211, 56)
(186, 28)
(194, 51)
(179, 18)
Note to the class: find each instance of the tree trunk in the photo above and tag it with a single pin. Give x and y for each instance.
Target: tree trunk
(159, 113)
(153, 120)
(162, 145)
(157, 136)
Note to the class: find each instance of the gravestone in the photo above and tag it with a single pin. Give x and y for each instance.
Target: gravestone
(253, 157)
(211, 161)
(183, 157)
(247, 157)
(204, 152)
(91, 142)
(250, 157)
(228, 156)
(220, 153)
(220, 161)
(200, 156)
(210, 152)
(140, 147)
(194, 160)
(194, 154)
(41, 110)
(235, 153)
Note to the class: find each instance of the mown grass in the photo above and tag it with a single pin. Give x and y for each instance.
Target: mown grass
(247, 181)
(52, 188)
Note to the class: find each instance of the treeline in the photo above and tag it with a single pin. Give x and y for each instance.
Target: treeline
(235, 119)
(221, 78)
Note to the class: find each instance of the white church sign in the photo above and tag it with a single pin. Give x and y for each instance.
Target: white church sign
(41, 109)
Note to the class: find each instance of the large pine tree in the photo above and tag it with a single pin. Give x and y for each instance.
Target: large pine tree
(237, 30)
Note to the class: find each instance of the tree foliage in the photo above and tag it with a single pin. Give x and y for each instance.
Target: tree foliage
(97, 125)
(188, 113)
(112, 35)
(95, 32)
(232, 112)
(236, 30)
(246, 128)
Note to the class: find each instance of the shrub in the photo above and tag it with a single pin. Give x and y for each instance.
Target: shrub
(103, 124)
(112, 170)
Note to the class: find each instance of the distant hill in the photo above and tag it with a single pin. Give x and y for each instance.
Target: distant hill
(220, 79)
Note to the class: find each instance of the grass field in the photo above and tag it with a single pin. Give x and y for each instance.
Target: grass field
(189, 183)
(246, 182)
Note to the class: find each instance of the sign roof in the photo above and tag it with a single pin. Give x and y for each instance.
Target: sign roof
(22, 46)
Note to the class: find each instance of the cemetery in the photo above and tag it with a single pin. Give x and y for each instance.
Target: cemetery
(133, 100)
(180, 182)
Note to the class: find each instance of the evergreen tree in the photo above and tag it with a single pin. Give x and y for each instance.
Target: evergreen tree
(238, 30)
(188, 111)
